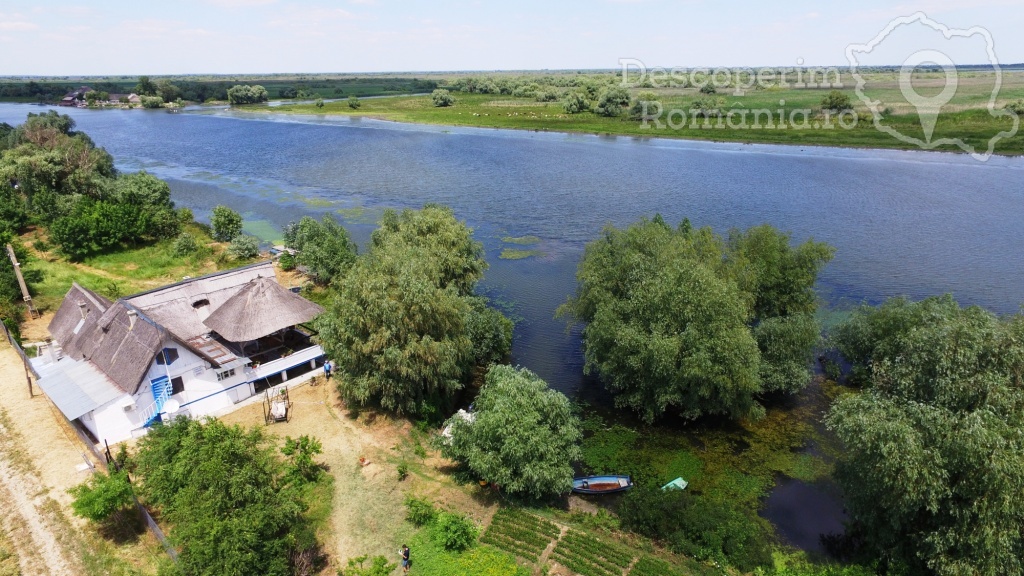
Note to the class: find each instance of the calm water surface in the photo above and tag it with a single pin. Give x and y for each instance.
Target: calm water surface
(904, 223)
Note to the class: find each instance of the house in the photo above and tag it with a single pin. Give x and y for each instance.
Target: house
(75, 97)
(120, 99)
(194, 348)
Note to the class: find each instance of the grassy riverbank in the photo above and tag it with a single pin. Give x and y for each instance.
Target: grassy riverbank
(965, 117)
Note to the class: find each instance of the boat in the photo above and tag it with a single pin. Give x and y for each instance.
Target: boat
(601, 484)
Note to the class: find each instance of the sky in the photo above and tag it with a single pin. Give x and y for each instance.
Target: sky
(54, 37)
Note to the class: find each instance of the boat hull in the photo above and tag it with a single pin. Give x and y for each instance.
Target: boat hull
(601, 484)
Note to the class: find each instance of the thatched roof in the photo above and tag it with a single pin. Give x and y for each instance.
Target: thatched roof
(182, 307)
(260, 308)
(90, 327)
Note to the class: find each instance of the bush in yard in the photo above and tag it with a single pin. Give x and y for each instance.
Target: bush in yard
(420, 511)
(287, 261)
(102, 496)
(185, 244)
(454, 531)
(379, 566)
(244, 247)
(300, 452)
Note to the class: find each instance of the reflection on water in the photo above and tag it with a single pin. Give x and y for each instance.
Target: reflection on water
(803, 512)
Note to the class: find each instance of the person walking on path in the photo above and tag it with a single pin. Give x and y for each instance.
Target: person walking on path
(405, 559)
(327, 369)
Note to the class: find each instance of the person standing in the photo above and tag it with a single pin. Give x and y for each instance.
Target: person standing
(327, 369)
(405, 559)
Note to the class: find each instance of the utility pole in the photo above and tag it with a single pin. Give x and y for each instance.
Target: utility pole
(21, 282)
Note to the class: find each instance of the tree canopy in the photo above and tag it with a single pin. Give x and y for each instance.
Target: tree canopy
(934, 457)
(221, 488)
(245, 94)
(65, 182)
(404, 326)
(442, 98)
(683, 319)
(523, 437)
(226, 223)
(324, 247)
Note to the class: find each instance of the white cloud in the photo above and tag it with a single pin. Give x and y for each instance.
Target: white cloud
(240, 3)
(17, 26)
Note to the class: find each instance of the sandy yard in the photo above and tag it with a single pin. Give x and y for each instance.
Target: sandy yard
(369, 512)
(41, 459)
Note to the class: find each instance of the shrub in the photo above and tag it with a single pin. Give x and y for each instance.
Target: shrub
(244, 247)
(612, 101)
(836, 101)
(300, 454)
(403, 470)
(420, 511)
(152, 102)
(454, 531)
(102, 496)
(379, 566)
(442, 98)
(287, 261)
(574, 103)
(185, 244)
(226, 224)
(353, 102)
(708, 89)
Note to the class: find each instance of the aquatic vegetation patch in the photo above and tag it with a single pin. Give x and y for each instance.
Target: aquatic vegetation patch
(318, 202)
(521, 240)
(517, 254)
(264, 230)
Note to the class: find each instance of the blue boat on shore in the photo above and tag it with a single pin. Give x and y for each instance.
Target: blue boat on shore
(601, 484)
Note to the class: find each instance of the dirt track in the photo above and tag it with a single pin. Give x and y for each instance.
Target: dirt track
(37, 465)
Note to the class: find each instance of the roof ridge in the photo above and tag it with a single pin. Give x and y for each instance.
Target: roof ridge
(198, 278)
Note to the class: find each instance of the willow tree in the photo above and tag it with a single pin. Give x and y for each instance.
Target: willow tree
(524, 436)
(405, 329)
(934, 447)
(324, 246)
(685, 320)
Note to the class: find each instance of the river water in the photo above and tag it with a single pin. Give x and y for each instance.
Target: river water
(903, 223)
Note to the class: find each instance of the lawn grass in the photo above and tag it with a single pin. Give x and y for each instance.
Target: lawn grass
(964, 117)
(117, 274)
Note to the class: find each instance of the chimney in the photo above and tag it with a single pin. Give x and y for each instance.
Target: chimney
(132, 315)
(81, 308)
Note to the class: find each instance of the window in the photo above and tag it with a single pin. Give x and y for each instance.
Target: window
(177, 386)
(225, 374)
(167, 356)
(200, 303)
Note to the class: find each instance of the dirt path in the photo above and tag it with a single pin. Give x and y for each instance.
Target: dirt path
(369, 511)
(38, 463)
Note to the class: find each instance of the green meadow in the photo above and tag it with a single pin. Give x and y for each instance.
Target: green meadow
(752, 117)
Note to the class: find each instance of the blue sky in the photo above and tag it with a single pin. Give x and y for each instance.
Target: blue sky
(51, 37)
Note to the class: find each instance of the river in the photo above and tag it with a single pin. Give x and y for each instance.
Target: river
(904, 223)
